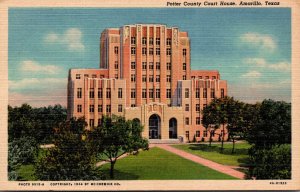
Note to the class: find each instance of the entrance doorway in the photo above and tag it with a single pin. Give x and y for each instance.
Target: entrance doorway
(173, 128)
(154, 127)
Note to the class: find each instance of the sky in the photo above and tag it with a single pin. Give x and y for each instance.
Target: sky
(251, 47)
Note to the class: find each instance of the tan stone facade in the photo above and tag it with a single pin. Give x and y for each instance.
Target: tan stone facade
(145, 74)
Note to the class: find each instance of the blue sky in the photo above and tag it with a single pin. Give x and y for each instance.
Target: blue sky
(251, 48)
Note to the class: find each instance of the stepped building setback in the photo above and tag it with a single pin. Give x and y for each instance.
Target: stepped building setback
(145, 74)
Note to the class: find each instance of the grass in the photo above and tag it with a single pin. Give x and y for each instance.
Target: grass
(158, 164)
(239, 158)
(26, 173)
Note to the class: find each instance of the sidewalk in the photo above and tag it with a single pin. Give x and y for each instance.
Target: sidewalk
(216, 166)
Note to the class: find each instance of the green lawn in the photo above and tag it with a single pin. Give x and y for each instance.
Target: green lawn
(158, 164)
(239, 158)
(26, 173)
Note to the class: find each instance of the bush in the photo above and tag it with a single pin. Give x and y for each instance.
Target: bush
(274, 163)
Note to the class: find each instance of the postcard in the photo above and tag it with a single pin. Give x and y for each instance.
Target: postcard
(139, 95)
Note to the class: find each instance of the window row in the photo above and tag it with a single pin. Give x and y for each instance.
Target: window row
(206, 77)
(198, 120)
(144, 93)
(100, 108)
(197, 106)
(151, 40)
(100, 93)
(78, 76)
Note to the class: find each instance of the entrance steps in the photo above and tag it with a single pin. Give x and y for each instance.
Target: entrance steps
(164, 141)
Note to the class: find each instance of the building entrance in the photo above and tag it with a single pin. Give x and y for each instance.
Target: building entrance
(154, 127)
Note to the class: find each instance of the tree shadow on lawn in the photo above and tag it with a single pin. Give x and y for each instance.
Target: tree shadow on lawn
(226, 151)
(243, 161)
(119, 175)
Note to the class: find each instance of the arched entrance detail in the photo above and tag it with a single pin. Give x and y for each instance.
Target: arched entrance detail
(154, 127)
(173, 128)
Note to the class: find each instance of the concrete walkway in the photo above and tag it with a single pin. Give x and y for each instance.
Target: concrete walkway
(216, 166)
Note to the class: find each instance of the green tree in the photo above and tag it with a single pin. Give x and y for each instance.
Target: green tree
(210, 119)
(115, 137)
(71, 158)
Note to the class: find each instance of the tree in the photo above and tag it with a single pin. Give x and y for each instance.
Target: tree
(71, 158)
(210, 119)
(115, 137)
(272, 126)
(270, 135)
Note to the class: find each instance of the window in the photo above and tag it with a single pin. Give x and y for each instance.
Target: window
(79, 108)
(116, 65)
(150, 93)
(184, 52)
(157, 79)
(120, 108)
(199, 77)
(168, 93)
(99, 122)
(168, 78)
(197, 93)
(169, 51)
(204, 105)
(116, 50)
(144, 78)
(108, 108)
(133, 78)
(198, 120)
(193, 77)
(101, 76)
(132, 50)
(132, 105)
(116, 76)
(133, 40)
(79, 92)
(222, 93)
(157, 41)
(213, 133)
(205, 93)
(150, 78)
(186, 93)
(77, 76)
(197, 133)
(213, 77)
(132, 93)
(99, 92)
(212, 93)
(168, 66)
(184, 66)
(144, 40)
(94, 76)
(120, 93)
(157, 66)
(169, 42)
(144, 65)
(187, 134)
(151, 41)
(86, 75)
(187, 107)
(100, 108)
(204, 133)
(184, 77)
(92, 95)
(157, 93)
(91, 122)
(187, 121)
(108, 93)
(206, 77)
(132, 65)
(91, 108)
(151, 65)
(144, 51)
(144, 93)
(150, 51)
(197, 107)
(157, 51)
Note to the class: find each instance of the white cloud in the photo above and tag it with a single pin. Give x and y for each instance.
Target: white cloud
(259, 40)
(72, 38)
(260, 62)
(252, 74)
(38, 84)
(33, 66)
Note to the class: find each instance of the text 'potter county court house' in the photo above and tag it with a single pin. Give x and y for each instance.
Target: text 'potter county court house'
(145, 74)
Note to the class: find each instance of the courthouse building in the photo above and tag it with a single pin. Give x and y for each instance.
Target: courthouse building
(145, 74)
